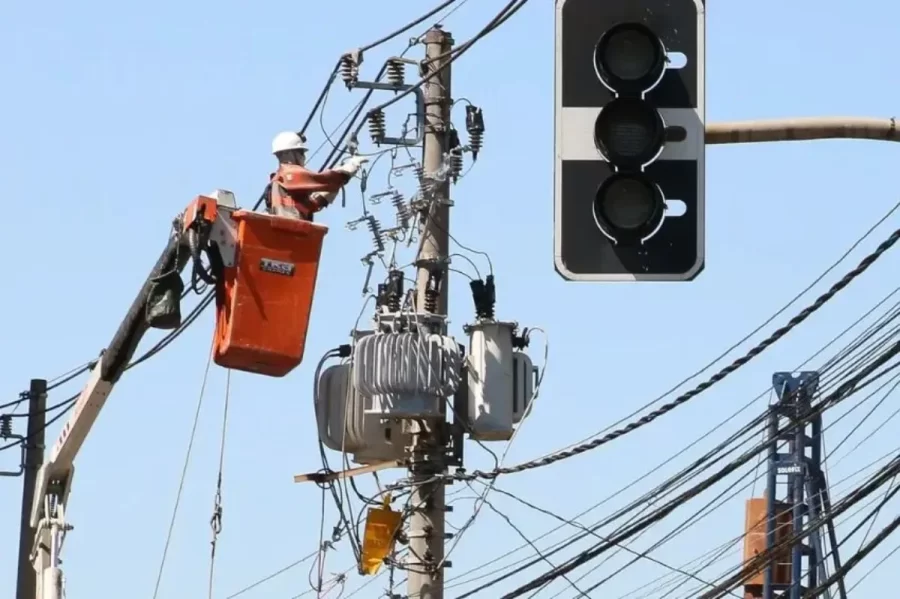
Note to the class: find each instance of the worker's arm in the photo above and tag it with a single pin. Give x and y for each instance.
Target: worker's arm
(323, 186)
(323, 199)
(348, 169)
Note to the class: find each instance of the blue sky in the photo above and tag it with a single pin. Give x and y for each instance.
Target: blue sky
(115, 116)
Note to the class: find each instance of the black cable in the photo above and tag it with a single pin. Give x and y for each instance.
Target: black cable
(829, 364)
(408, 26)
(505, 13)
(864, 490)
(334, 72)
(849, 386)
(738, 539)
(869, 396)
(498, 20)
(337, 151)
(46, 424)
(159, 346)
(694, 469)
(777, 335)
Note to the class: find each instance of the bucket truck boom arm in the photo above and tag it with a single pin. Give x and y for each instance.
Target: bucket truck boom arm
(263, 269)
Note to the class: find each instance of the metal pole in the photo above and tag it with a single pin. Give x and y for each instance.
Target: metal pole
(797, 509)
(34, 458)
(426, 525)
(771, 503)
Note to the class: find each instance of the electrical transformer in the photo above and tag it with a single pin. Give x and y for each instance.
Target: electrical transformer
(406, 374)
(501, 381)
(366, 435)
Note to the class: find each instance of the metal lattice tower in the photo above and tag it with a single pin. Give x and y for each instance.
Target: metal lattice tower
(797, 500)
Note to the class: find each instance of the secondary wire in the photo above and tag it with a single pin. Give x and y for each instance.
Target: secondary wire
(685, 397)
(832, 399)
(849, 386)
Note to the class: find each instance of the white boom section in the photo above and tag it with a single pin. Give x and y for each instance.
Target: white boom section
(54, 483)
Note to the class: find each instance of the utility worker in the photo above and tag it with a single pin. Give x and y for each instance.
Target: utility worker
(297, 192)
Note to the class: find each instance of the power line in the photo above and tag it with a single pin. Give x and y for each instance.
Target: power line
(719, 376)
(831, 364)
(847, 387)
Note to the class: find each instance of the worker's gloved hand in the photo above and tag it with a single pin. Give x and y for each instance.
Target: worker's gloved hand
(352, 165)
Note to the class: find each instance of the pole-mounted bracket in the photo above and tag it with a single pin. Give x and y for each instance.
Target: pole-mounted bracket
(420, 110)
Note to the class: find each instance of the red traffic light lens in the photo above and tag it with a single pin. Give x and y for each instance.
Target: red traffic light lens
(629, 133)
(629, 207)
(630, 58)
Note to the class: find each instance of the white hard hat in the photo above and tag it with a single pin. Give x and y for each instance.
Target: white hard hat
(288, 140)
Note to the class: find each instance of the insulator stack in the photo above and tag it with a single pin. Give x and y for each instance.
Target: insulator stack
(433, 292)
(395, 287)
(403, 214)
(393, 303)
(377, 233)
(455, 163)
(431, 300)
(349, 70)
(377, 127)
(475, 129)
(424, 190)
(396, 72)
(476, 142)
(5, 426)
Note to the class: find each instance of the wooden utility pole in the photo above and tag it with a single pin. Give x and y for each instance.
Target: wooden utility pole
(426, 525)
(34, 458)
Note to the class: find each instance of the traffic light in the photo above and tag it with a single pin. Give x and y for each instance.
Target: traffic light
(630, 112)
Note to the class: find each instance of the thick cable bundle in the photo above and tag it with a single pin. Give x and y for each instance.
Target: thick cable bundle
(406, 368)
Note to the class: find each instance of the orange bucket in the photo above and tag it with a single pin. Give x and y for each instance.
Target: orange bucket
(264, 302)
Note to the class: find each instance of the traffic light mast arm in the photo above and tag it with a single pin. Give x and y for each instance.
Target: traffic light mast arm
(803, 129)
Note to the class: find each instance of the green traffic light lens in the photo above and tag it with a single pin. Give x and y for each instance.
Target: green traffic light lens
(630, 58)
(629, 207)
(629, 133)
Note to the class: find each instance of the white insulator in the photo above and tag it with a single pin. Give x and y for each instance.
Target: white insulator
(407, 374)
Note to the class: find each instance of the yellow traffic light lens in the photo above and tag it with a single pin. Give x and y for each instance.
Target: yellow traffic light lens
(630, 58)
(629, 133)
(629, 207)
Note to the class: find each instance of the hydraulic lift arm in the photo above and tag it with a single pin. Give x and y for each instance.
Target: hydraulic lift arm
(156, 306)
(263, 269)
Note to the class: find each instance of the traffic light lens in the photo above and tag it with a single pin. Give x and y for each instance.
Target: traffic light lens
(629, 132)
(630, 58)
(629, 207)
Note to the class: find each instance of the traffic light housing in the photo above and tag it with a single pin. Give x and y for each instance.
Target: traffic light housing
(630, 142)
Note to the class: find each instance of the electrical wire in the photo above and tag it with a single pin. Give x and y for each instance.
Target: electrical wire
(841, 390)
(274, 574)
(510, 9)
(835, 422)
(408, 26)
(69, 403)
(187, 461)
(777, 335)
(505, 13)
